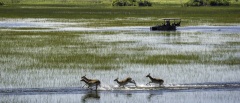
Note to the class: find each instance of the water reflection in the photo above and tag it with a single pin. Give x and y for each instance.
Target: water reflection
(128, 95)
(92, 95)
(154, 95)
(172, 33)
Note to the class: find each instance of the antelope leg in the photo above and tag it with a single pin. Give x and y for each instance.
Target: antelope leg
(83, 85)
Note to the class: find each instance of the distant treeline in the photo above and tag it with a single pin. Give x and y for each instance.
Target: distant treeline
(51, 1)
(1, 3)
(208, 2)
(124, 2)
(131, 3)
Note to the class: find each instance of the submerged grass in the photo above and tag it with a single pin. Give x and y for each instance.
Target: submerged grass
(58, 50)
(85, 60)
(28, 28)
(233, 43)
(166, 59)
(61, 50)
(60, 57)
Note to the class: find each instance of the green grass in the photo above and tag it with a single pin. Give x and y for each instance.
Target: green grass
(233, 43)
(61, 50)
(107, 15)
(58, 50)
(166, 59)
(31, 49)
(82, 1)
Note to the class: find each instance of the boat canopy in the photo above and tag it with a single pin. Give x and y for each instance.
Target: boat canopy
(171, 19)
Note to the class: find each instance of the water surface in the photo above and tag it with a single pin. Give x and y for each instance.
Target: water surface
(197, 63)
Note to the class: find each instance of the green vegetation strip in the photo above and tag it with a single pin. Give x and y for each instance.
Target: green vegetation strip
(72, 50)
(107, 15)
(166, 59)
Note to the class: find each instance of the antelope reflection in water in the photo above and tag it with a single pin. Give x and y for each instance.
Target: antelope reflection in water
(152, 95)
(92, 95)
(128, 95)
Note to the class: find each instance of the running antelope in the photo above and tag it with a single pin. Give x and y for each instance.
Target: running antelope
(84, 77)
(90, 80)
(155, 80)
(91, 83)
(125, 81)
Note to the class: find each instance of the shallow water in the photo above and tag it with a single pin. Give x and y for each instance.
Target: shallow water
(214, 78)
(62, 95)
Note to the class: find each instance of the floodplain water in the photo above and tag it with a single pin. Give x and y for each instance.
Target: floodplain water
(197, 63)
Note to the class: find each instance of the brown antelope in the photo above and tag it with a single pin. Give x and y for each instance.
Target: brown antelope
(90, 80)
(84, 77)
(91, 83)
(155, 80)
(125, 81)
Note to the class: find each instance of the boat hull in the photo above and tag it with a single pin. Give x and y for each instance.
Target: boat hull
(163, 28)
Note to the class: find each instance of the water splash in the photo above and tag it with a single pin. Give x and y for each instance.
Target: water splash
(139, 89)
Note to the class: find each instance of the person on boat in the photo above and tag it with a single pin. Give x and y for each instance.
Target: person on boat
(168, 23)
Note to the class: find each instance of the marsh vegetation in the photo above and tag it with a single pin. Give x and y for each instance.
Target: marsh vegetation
(39, 50)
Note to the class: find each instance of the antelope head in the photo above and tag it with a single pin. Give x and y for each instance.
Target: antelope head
(83, 76)
(148, 75)
(116, 79)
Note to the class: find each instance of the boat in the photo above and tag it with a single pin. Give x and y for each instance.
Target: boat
(167, 26)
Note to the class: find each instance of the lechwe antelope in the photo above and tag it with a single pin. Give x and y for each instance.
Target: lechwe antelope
(155, 80)
(125, 81)
(92, 83)
(84, 77)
